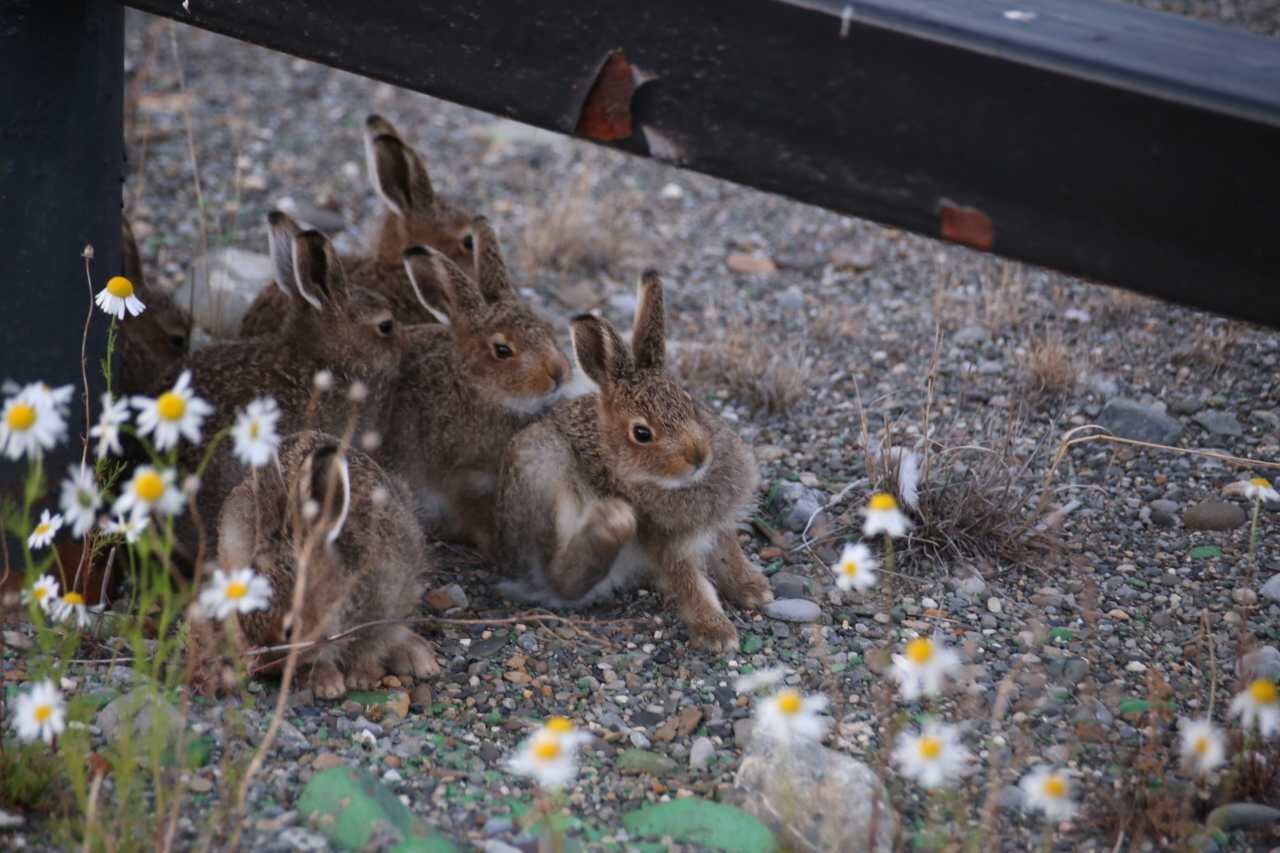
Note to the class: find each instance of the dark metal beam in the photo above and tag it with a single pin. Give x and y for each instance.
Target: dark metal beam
(1114, 143)
(61, 168)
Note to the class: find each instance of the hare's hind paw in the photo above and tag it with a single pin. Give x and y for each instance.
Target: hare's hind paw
(414, 656)
(327, 681)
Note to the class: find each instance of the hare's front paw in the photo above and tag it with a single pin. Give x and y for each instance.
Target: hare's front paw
(714, 634)
(365, 675)
(414, 656)
(750, 592)
(614, 519)
(327, 682)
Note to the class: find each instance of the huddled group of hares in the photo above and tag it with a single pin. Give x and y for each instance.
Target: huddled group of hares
(445, 412)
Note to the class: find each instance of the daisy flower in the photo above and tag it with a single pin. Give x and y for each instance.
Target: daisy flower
(753, 681)
(856, 568)
(34, 420)
(40, 713)
(44, 592)
(788, 716)
(176, 412)
(71, 608)
(118, 297)
(130, 527)
(923, 666)
(254, 434)
(1260, 489)
(107, 432)
(1203, 747)
(44, 531)
(550, 754)
(149, 490)
(80, 500)
(934, 757)
(241, 591)
(1258, 703)
(883, 516)
(1048, 790)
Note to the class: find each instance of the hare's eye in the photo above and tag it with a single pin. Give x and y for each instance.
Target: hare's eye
(502, 351)
(468, 243)
(642, 434)
(386, 327)
(179, 341)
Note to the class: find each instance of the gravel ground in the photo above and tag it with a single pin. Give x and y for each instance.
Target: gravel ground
(836, 324)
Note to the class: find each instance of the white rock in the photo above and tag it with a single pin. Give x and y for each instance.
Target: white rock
(995, 605)
(1136, 666)
(1271, 589)
(225, 283)
(700, 753)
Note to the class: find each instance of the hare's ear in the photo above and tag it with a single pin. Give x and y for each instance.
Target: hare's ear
(491, 269)
(281, 229)
(325, 490)
(395, 169)
(649, 336)
(441, 287)
(130, 257)
(317, 272)
(600, 351)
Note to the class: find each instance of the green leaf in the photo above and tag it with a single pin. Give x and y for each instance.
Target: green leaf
(637, 761)
(1063, 634)
(197, 753)
(691, 820)
(350, 808)
(752, 643)
(1134, 706)
(1201, 552)
(368, 697)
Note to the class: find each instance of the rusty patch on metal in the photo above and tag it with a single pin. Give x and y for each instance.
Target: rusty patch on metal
(606, 114)
(967, 225)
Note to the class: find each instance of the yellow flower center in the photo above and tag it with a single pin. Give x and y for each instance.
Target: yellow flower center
(1201, 745)
(149, 486)
(237, 590)
(559, 725)
(120, 287)
(1263, 691)
(882, 502)
(43, 713)
(1260, 482)
(930, 748)
(547, 749)
(22, 417)
(850, 567)
(73, 598)
(253, 430)
(42, 528)
(40, 592)
(171, 406)
(789, 702)
(920, 651)
(1055, 786)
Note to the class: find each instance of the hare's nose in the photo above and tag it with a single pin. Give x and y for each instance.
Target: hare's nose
(697, 454)
(558, 370)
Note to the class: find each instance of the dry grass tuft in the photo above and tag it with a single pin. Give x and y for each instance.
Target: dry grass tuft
(758, 375)
(578, 233)
(1213, 343)
(1116, 303)
(1004, 297)
(1048, 366)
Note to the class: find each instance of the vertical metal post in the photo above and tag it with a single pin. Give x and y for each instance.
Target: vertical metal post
(61, 166)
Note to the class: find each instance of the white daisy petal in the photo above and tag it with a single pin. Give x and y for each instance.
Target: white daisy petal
(789, 716)
(40, 713)
(934, 757)
(118, 298)
(177, 413)
(34, 420)
(1048, 790)
(44, 592)
(80, 500)
(44, 531)
(240, 591)
(856, 568)
(924, 667)
(254, 434)
(107, 432)
(549, 756)
(1258, 705)
(883, 516)
(1202, 745)
(150, 490)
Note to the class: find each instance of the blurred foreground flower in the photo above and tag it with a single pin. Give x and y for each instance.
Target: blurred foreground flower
(788, 716)
(44, 592)
(149, 490)
(1203, 746)
(40, 713)
(241, 591)
(80, 500)
(934, 758)
(883, 516)
(550, 754)
(856, 568)
(176, 413)
(114, 415)
(254, 434)
(44, 531)
(1048, 790)
(34, 420)
(923, 666)
(1258, 704)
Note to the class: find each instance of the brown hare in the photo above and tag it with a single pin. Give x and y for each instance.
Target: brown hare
(158, 338)
(467, 385)
(365, 560)
(413, 214)
(636, 480)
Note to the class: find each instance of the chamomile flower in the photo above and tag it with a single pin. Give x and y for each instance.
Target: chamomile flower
(44, 531)
(118, 297)
(922, 667)
(934, 757)
(789, 716)
(241, 591)
(128, 526)
(71, 609)
(753, 681)
(80, 500)
(1203, 747)
(856, 568)
(1259, 704)
(550, 754)
(44, 592)
(176, 413)
(150, 490)
(883, 516)
(1260, 489)
(107, 432)
(40, 713)
(254, 434)
(1048, 790)
(34, 420)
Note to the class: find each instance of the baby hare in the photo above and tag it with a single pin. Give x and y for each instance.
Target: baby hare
(636, 480)
(467, 385)
(331, 326)
(365, 559)
(155, 340)
(413, 215)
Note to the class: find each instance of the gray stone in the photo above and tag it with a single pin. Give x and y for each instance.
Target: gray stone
(289, 739)
(1219, 423)
(409, 747)
(10, 820)
(1242, 816)
(795, 504)
(302, 839)
(969, 335)
(742, 731)
(787, 585)
(1132, 420)
(829, 800)
(312, 216)
(1213, 515)
(225, 283)
(972, 587)
(700, 753)
(1164, 513)
(527, 641)
(493, 845)
(1185, 405)
(623, 303)
(793, 610)
(1262, 662)
(1271, 589)
(791, 299)
(146, 710)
